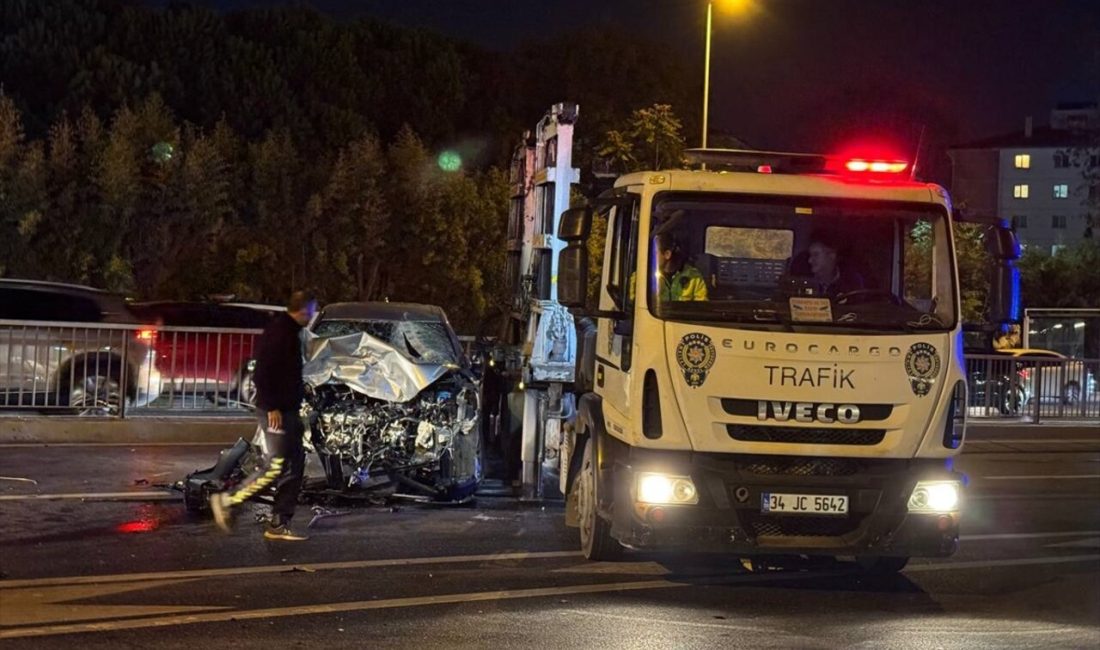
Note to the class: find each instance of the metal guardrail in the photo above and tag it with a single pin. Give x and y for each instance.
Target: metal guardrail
(132, 370)
(1033, 388)
(122, 370)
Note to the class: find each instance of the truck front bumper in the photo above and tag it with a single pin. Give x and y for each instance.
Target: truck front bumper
(729, 516)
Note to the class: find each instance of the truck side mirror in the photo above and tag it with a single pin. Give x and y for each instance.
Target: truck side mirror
(573, 275)
(1001, 243)
(1004, 278)
(575, 224)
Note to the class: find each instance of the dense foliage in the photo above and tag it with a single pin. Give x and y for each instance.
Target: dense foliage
(182, 153)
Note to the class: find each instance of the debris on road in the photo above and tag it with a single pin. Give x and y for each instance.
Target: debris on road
(18, 479)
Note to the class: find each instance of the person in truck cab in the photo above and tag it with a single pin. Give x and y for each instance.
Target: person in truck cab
(677, 280)
(830, 275)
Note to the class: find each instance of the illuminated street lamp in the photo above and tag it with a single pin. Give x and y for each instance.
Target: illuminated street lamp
(734, 7)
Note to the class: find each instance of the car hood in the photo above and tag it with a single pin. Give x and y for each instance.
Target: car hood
(367, 366)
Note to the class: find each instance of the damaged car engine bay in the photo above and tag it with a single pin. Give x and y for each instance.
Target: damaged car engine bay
(364, 441)
(391, 410)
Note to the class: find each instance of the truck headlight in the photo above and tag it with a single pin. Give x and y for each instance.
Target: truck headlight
(935, 497)
(665, 489)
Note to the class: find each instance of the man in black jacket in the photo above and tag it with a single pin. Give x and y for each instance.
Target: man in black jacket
(279, 393)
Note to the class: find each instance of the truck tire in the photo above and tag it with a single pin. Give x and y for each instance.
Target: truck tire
(597, 544)
(882, 565)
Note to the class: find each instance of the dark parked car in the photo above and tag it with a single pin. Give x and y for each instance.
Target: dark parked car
(44, 364)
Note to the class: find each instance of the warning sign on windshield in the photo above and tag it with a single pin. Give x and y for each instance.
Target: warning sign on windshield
(811, 310)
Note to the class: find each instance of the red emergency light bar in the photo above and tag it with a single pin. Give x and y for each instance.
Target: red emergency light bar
(774, 162)
(860, 165)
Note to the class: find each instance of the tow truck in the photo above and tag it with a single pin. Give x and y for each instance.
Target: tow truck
(766, 410)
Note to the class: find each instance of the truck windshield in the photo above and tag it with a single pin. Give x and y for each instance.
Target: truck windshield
(810, 262)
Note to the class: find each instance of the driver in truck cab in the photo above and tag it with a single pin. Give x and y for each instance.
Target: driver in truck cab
(832, 278)
(676, 279)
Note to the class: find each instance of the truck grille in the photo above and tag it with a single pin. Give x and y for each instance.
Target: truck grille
(798, 466)
(807, 435)
(760, 525)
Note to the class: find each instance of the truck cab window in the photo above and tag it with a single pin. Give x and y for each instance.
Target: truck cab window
(861, 265)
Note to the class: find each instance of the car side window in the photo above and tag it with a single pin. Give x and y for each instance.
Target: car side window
(23, 304)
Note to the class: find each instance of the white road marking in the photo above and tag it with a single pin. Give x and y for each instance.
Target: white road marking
(281, 568)
(963, 628)
(1063, 477)
(95, 496)
(1035, 441)
(59, 605)
(334, 608)
(987, 564)
(1093, 542)
(1071, 533)
(649, 621)
(27, 445)
(420, 601)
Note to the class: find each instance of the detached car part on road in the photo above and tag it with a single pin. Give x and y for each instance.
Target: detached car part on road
(391, 407)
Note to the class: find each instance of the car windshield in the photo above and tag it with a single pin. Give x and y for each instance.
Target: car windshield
(809, 262)
(420, 341)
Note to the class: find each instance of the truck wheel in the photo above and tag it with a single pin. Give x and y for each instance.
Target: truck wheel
(882, 565)
(596, 541)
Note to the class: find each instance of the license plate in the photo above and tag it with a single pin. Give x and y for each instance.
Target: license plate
(809, 504)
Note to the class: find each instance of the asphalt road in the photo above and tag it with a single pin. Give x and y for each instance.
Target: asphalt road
(102, 571)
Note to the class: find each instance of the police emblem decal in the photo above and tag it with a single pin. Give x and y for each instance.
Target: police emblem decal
(696, 355)
(922, 364)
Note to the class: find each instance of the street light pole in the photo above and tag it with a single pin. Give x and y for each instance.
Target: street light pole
(706, 74)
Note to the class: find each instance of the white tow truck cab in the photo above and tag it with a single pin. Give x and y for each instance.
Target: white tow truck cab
(776, 364)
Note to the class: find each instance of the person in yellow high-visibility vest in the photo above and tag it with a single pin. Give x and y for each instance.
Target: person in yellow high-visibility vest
(676, 279)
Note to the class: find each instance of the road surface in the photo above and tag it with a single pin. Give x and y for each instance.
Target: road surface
(108, 559)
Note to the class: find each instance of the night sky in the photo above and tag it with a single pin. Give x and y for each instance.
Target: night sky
(977, 66)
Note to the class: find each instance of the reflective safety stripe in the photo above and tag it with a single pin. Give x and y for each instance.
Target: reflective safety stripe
(261, 482)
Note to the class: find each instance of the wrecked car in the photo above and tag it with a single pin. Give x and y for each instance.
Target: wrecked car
(391, 407)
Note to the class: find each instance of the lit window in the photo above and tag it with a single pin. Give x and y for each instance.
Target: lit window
(1061, 191)
(1058, 221)
(1023, 161)
(1020, 191)
(1019, 221)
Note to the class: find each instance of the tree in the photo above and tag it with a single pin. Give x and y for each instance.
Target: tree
(182, 152)
(1067, 279)
(650, 139)
(348, 224)
(975, 267)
